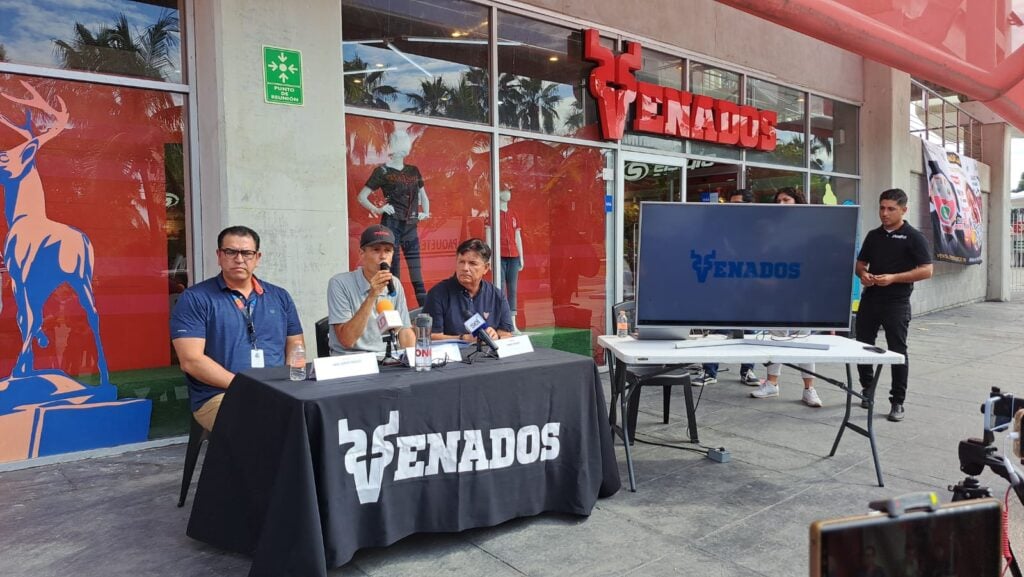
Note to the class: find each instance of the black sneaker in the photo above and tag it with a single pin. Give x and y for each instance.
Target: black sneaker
(702, 379)
(865, 403)
(896, 414)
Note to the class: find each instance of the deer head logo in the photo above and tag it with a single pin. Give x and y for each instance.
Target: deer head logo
(702, 264)
(612, 82)
(41, 254)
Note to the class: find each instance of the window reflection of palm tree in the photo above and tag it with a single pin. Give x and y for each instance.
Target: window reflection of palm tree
(528, 103)
(432, 100)
(367, 89)
(116, 49)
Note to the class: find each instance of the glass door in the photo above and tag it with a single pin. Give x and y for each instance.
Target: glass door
(642, 178)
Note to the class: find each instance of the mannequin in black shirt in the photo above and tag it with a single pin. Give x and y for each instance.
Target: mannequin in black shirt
(404, 197)
(893, 257)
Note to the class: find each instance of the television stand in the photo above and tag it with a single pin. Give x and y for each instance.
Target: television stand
(790, 344)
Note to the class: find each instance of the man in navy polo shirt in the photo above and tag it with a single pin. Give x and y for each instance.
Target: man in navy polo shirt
(230, 323)
(454, 300)
(893, 257)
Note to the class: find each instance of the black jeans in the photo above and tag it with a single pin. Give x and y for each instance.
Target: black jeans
(894, 318)
(407, 235)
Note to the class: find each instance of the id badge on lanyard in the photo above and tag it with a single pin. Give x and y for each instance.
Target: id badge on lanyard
(256, 354)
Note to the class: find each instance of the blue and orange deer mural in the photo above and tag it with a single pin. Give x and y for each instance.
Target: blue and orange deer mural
(46, 411)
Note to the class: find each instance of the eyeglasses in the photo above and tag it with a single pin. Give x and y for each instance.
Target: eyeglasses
(232, 253)
(439, 363)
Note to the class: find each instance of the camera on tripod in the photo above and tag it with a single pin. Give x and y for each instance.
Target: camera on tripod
(1000, 410)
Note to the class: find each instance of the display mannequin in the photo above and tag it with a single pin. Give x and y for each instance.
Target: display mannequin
(512, 256)
(405, 204)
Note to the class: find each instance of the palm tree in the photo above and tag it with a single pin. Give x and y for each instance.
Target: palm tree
(539, 101)
(3, 53)
(509, 99)
(528, 103)
(468, 99)
(432, 100)
(367, 89)
(117, 50)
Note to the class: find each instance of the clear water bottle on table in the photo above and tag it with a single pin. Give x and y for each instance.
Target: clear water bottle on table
(424, 324)
(297, 363)
(622, 325)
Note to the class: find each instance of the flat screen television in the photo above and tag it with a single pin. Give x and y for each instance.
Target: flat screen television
(744, 266)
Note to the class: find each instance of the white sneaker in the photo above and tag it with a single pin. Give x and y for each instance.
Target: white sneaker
(810, 398)
(750, 378)
(765, 390)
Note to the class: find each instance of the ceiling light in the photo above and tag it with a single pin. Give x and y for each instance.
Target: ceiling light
(552, 58)
(456, 34)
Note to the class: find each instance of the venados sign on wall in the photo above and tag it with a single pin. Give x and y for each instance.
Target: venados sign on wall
(666, 111)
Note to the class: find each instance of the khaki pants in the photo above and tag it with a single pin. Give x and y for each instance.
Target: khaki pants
(207, 414)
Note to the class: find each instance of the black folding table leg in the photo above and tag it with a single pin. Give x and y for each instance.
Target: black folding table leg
(871, 426)
(691, 411)
(619, 383)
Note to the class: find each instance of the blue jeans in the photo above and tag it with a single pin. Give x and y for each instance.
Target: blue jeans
(711, 369)
(407, 236)
(510, 276)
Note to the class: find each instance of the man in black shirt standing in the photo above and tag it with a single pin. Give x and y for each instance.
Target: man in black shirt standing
(893, 257)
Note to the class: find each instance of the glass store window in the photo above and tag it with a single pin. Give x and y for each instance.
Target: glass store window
(765, 182)
(788, 103)
(425, 57)
(833, 190)
(558, 196)
(455, 168)
(721, 85)
(834, 135)
(542, 81)
(708, 181)
(96, 235)
(124, 37)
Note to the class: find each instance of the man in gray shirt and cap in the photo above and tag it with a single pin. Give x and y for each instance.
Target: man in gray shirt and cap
(353, 297)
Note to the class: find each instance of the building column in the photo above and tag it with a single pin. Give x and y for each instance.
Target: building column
(995, 148)
(276, 168)
(884, 139)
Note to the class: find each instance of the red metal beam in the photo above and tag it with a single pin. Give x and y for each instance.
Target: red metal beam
(999, 86)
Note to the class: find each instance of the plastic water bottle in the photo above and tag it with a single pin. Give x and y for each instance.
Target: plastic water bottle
(297, 363)
(622, 325)
(424, 324)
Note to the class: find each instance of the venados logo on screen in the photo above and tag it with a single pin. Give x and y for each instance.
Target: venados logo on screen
(431, 454)
(707, 264)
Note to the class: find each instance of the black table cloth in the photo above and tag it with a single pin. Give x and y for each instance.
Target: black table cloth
(301, 475)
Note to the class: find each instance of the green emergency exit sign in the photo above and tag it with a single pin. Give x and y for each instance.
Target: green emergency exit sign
(282, 76)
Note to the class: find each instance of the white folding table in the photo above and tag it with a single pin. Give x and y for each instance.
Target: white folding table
(751, 349)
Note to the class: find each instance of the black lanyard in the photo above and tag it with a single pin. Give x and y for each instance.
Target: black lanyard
(245, 307)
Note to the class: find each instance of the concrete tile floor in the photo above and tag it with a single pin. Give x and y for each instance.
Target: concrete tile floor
(116, 515)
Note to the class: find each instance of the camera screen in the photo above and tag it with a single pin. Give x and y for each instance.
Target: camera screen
(957, 540)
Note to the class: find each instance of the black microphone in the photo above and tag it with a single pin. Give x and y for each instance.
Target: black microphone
(391, 282)
(477, 326)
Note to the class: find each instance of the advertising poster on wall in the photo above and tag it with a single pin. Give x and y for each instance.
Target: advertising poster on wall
(954, 193)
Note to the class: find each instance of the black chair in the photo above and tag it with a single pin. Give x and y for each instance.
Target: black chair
(638, 377)
(196, 435)
(323, 348)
